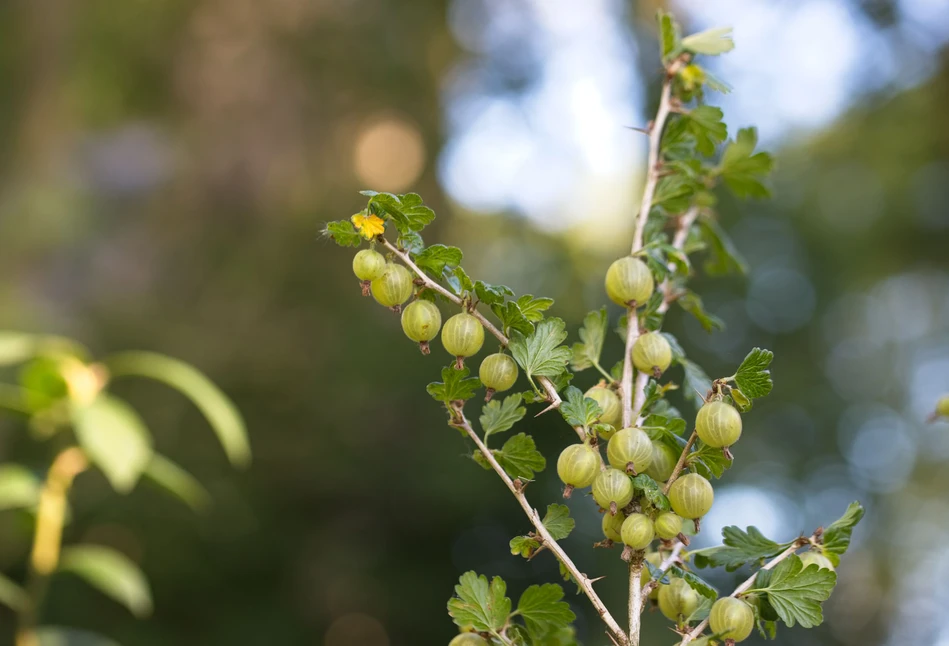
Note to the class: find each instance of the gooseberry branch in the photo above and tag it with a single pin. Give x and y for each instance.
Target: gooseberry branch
(673, 558)
(517, 490)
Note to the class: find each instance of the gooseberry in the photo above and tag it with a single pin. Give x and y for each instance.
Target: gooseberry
(691, 496)
(393, 287)
(498, 373)
(637, 531)
(609, 404)
(652, 353)
(578, 465)
(942, 406)
(462, 335)
(630, 450)
(718, 424)
(421, 321)
(612, 490)
(612, 526)
(664, 459)
(668, 525)
(368, 264)
(814, 557)
(468, 639)
(629, 280)
(677, 599)
(731, 618)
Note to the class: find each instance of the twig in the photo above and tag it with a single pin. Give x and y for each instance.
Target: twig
(667, 563)
(798, 544)
(582, 580)
(681, 463)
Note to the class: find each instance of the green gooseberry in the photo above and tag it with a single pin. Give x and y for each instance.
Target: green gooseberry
(652, 353)
(637, 531)
(612, 490)
(462, 335)
(393, 287)
(677, 599)
(630, 448)
(731, 618)
(578, 466)
(368, 264)
(609, 403)
(498, 373)
(691, 496)
(718, 424)
(664, 460)
(668, 525)
(629, 280)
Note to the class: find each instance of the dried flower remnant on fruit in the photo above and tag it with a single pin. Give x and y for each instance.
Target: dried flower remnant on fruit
(368, 226)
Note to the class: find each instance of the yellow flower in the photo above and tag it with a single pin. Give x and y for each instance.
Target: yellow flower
(369, 226)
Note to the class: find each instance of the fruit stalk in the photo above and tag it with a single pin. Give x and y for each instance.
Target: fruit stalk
(517, 490)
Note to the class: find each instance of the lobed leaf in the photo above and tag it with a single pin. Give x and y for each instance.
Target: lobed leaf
(455, 385)
(836, 537)
(558, 522)
(110, 572)
(478, 604)
(544, 610)
(343, 233)
(579, 410)
(541, 354)
(498, 417)
(520, 458)
(796, 592)
(587, 352)
(753, 376)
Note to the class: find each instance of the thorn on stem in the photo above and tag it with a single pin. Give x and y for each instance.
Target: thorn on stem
(553, 406)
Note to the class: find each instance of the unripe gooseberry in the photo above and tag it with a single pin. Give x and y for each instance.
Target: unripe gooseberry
(814, 557)
(652, 353)
(627, 280)
(612, 490)
(609, 403)
(393, 287)
(942, 406)
(677, 599)
(368, 264)
(468, 639)
(731, 618)
(612, 525)
(664, 459)
(668, 525)
(718, 424)
(578, 465)
(498, 372)
(691, 496)
(462, 335)
(637, 531)
(421, 321)
(630, 450)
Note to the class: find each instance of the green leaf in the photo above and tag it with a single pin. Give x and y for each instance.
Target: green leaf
(110, 572)
(19, 488)
(477, 604)
(674, 193)
(406, 211)
(411, 242)
(723, 257)
(512, 318)
(710, 42)
(533, 308)
(343, 233)
(587, 352)
(836, 538)
(652, 491)
(524, 546)
(578, 410)
(17, 347)
(491, 294)
(708, 461)
(541, 354)
(669, 45)
(742, 402)
(455, 385)
(744, 170)
(115, 440)
(178, 482)
(696, 383)
(706, 125)
(753, 376)
(697, 583)
(740, 547)
(796, 592)
(217, 408)
(12, 595)
(437, 258)
(458, 280)
(497, 417)
(558, 522)
(692, 303)
(544, 610)
(56, 636)
(520, 458)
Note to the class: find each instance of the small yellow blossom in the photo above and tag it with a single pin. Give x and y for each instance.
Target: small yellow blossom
(369, 226)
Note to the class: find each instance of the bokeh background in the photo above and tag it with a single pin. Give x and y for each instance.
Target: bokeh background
(167, 165)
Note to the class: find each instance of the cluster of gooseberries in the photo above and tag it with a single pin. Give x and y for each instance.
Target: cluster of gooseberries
(462, 335)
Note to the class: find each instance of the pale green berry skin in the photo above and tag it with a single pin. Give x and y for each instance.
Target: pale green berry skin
(942, 406)
(655, 559)
(731, 618)
(630, 445)
(629, 279)
(612, 526)
(421, 321)
(498, 372)
(813, 557)
(609, 403)
(677, 599)
(691, 496)
(612, 486)
(668, 525)
(368, 264)
(578, 465)
(652, 351)
(637, 531)
(718, 424)
(393, 287)
(468, 639)
(664, 459)
(463, 335)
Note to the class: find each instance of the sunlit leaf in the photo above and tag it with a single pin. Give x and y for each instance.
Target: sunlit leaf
(110, 572)
(178, 482)
(115, 440)
(19, 487)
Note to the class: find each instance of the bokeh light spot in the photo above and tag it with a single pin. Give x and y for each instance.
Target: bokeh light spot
(356, 629)
(389, 154)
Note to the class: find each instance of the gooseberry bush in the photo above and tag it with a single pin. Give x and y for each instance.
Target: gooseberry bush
(655, 483)
(66, 399)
